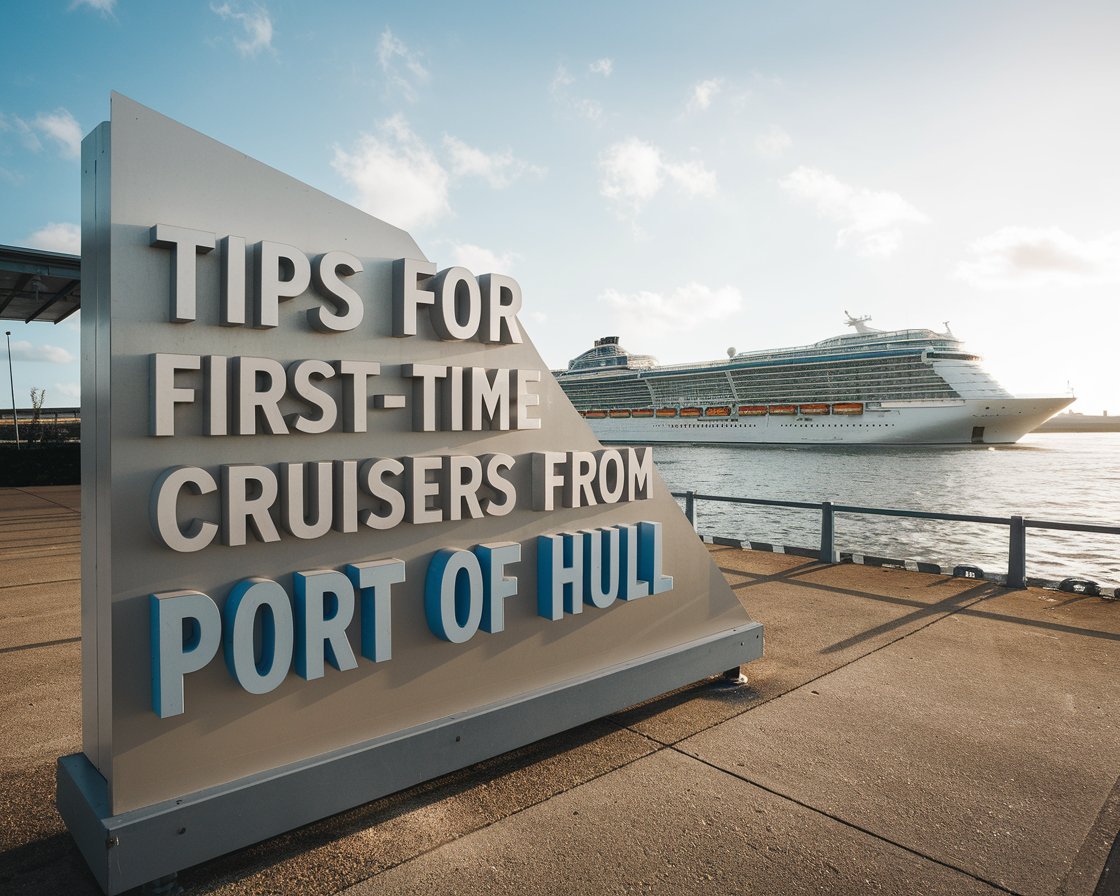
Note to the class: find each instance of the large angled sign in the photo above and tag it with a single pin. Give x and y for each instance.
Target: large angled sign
(342, 530)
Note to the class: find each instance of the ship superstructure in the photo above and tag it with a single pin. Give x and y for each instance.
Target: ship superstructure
(897, 386)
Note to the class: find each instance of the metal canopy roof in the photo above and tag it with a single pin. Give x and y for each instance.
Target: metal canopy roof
(38, 285)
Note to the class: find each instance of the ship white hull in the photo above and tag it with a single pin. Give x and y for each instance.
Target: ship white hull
(983, 421)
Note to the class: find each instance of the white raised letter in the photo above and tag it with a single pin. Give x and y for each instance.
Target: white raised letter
(374, 581)
(493, 559)
(453, 595)
(164, 509)
(240, 510)
(321, 622)
(457, 297)
(185, 245)
(175, 655)
(249, 598)
(328, 282)
(545, 478)
(559, 575)
(233, 281)
(499, 317)
(355, 398)
(271, 289)
(410, 279)
(165, 394)
(250, 397)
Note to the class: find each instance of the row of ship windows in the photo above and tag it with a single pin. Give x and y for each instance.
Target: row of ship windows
(787, 396)
(778, 389)
(788, 376)
(805, 372)
(627, 400)
(720, 394)
(878, 378)
(883, 371)
(706, 425)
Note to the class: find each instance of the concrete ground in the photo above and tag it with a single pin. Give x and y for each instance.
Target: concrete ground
(905, 733)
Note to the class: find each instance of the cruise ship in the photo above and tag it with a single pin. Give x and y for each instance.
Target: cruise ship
(908, 387)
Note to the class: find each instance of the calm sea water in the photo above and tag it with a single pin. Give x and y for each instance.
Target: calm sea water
(1057, 477)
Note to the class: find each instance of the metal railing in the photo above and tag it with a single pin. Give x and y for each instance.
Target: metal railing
(1017, 525)
(45, 415)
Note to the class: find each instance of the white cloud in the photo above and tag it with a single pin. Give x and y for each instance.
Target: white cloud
(560, 88)
(256, 24)
(602, 67)
(69, 390)
(401, 65)
(773, 142)
(650, 318)
(51, 354)
(105, 7)
(497, 169)
(57, 238)
(1039, 256)
(693, 177)
(871, 220)
(703, 94)
(633, 172)
(22, 130)
(561, 80)
(397, 177)
(61, 127)
(481, 261)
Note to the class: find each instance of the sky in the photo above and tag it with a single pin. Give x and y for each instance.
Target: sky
(689, 178)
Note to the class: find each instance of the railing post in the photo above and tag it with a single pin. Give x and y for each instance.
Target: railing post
(1017, 554)
(828, 548)
(690, 508)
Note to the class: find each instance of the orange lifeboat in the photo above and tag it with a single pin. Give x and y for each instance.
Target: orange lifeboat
(595, 415)
(642, 412)
(616, 413)
(852, 408)
(691, 412)
(814, 410)
(666, 412)
(783, 409)
(752, 410)
(719, 411)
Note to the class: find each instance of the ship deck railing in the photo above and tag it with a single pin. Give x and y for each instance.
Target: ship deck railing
(904, 339)
(1016, 525)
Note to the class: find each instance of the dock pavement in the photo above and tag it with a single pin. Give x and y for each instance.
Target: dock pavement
(904, 733)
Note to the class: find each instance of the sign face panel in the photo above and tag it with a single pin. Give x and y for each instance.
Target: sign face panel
(331, 493)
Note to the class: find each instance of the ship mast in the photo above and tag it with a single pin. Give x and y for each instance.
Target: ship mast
(860, 323)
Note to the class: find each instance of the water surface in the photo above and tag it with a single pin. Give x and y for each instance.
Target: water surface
(1053, 476)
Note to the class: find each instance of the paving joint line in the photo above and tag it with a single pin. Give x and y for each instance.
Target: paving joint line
(48, 500)
(674, 746)
(32, 584)
(848, 824)
(1104, 826)
(17, 647)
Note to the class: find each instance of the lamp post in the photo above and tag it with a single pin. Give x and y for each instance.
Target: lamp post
(11, 380)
